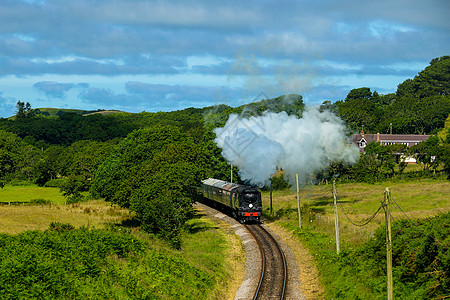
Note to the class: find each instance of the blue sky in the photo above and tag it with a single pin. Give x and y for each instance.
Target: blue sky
(167, 55)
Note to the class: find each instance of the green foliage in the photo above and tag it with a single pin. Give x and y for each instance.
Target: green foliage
(291, 104)
(421, 257)
(421, 261)
(137, 148)
(67, 263)
(54, 183)
(56, 226)
(40, 201)
(419, 106)
(430, 153)
(433, 80)
(154, 172)
(16, 156)
(380, 162)
(422, 104)
(73, 187)
(359, 109)
(279, 182)
(23, 110)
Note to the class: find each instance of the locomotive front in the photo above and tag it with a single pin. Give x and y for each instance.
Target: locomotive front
(250, 204)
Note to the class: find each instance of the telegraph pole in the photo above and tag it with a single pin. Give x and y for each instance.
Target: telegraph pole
(231, 173)
(390, 288)
(298, 202)
(271, 208)
(336, 222)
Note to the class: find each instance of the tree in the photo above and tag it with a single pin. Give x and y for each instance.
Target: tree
(15, 155)
(139, 146)
(433, 80)
(49, 165)
(23, 110)
(154, 172)
(430, 153)
(165, 188)
(327, 105)
(73, 187)
(358, 94)
(359, 110)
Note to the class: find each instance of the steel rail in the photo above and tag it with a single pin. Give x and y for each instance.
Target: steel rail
(263, 262)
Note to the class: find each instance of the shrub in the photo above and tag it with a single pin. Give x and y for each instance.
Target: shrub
(87, 263)
(56, 226)
(54, 183)
(40, 201)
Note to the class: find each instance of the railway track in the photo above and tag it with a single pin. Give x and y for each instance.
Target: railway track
(273, 280)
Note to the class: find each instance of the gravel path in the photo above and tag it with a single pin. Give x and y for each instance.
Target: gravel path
(253, 259)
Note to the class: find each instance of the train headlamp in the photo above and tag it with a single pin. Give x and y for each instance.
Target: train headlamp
(250, 205)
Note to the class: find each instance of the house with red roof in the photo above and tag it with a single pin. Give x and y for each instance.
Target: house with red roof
(362, 139)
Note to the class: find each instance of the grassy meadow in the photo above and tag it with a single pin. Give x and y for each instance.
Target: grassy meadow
(416, 199)
(27, 193)
(18, 218)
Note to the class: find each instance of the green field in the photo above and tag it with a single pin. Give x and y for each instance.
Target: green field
(418, 199)
(28, 193)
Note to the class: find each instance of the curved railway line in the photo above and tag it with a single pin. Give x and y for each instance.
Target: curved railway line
(273, 279)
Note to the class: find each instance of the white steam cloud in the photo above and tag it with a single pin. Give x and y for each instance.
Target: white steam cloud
(258, 145)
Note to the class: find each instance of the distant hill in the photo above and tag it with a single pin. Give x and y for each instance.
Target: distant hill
(46, 111)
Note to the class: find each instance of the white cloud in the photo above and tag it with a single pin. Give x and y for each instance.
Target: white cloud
(271, 46)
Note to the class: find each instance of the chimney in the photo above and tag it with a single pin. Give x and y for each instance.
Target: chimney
(362, 133)
(378, 137)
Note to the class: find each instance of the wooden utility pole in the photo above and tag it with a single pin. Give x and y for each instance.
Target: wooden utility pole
(390, 288)
(271, 208)
(231, 173)
(336, 222)
(298, 202)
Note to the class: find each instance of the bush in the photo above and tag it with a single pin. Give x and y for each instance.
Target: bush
(421, 262)
(279, 183)
(56, 226)
(40, 201)
(54, 183)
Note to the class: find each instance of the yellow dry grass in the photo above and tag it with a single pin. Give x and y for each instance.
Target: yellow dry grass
(95, 213)
(412, 199)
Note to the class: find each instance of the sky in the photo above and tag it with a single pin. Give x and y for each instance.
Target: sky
(135, 56)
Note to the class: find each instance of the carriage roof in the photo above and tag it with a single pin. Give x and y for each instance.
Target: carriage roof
(228, 186)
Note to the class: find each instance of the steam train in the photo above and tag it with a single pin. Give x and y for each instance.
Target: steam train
(244, 202)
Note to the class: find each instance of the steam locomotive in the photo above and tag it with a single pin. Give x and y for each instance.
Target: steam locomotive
(244, 202)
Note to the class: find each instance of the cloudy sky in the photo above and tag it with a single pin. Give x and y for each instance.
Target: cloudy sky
(151, 56)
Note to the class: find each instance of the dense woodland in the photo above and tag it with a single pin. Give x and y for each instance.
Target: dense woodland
(150, 162)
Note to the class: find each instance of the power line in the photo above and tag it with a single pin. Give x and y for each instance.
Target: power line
(432, 238)
(353, 222)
